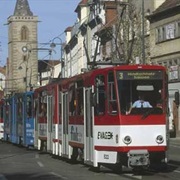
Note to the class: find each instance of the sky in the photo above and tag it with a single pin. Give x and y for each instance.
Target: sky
(54, 16)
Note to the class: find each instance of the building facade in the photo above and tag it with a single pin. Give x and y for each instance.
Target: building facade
(165, 46)
(99, 34)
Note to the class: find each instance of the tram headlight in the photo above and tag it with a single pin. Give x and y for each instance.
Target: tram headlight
(159, 139)
(127, 140)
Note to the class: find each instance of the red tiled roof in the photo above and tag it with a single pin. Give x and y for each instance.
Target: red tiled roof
(82, 2)
(68, 29)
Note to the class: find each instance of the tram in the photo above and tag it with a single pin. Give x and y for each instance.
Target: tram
(46, 118)
(19, 119)
(1, 120)
(87, 118)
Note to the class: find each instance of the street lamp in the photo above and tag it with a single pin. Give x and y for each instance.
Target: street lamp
(143, 35)
(28, 49)
(53, 45)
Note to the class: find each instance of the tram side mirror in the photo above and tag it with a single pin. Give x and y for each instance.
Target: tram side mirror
(176, 96)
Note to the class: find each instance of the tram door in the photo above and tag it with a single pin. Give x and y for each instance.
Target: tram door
(36, 105)
(65, 149)
(50, 122)
(88, 136)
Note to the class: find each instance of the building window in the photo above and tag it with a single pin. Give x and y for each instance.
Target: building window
(173, 73)
(163, 34)
(167, 32)
(170, 31)
(158, 35)
(178, 29)
(24, 33)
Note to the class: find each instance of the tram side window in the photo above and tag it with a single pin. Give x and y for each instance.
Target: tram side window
(60, 106)
(112, 100)
(1, 109)
(19, 108)
(29, 106)
(79, 92)
(72, 101)
(43, 106)
(36, 112)
(100, 95)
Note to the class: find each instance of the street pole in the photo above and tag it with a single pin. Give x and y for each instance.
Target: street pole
(27, 51)
(53, 45)
(143, 35)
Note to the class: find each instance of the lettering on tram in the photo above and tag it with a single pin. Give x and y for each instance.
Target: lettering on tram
(105, 135)
(106, 156)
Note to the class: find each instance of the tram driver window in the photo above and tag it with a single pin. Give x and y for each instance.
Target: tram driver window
(100, 95)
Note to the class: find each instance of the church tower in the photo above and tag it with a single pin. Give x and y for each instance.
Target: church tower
(22, 63)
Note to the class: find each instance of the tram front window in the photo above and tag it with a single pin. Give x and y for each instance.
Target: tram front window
(130, 91)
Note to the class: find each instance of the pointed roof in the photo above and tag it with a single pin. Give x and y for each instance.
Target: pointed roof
(81, 3)
(166, 9)
(168, 4)
(22, 8)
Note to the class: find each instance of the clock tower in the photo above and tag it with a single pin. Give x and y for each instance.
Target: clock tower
(22, 64)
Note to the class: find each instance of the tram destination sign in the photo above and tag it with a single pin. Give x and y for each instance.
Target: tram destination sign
(139, 75)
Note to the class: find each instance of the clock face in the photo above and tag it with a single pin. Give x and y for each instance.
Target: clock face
(24, 49)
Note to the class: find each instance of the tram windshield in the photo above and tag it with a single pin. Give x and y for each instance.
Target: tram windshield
(140, 92)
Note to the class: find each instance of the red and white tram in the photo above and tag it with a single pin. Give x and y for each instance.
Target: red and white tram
(87, 116)
(1, 119)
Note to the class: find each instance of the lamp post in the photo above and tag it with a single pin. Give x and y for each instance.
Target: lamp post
(25, 60)
(53, 45)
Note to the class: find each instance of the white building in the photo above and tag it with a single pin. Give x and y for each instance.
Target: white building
(93, 37)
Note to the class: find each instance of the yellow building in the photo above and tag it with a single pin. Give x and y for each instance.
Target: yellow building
(22, 63)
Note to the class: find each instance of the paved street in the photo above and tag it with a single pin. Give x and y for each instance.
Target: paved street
(17, 163)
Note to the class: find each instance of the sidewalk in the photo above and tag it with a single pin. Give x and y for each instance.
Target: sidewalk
(176, 139)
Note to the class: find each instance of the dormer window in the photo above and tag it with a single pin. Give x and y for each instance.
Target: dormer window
(24, 33)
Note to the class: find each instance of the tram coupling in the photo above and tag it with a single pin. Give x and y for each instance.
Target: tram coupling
(138, 158)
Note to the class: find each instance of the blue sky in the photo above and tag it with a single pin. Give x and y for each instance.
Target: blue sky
(54, 16)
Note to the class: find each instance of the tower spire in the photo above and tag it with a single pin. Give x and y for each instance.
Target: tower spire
(22, 8)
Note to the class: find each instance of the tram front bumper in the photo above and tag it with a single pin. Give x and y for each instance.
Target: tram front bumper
(137, 158)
